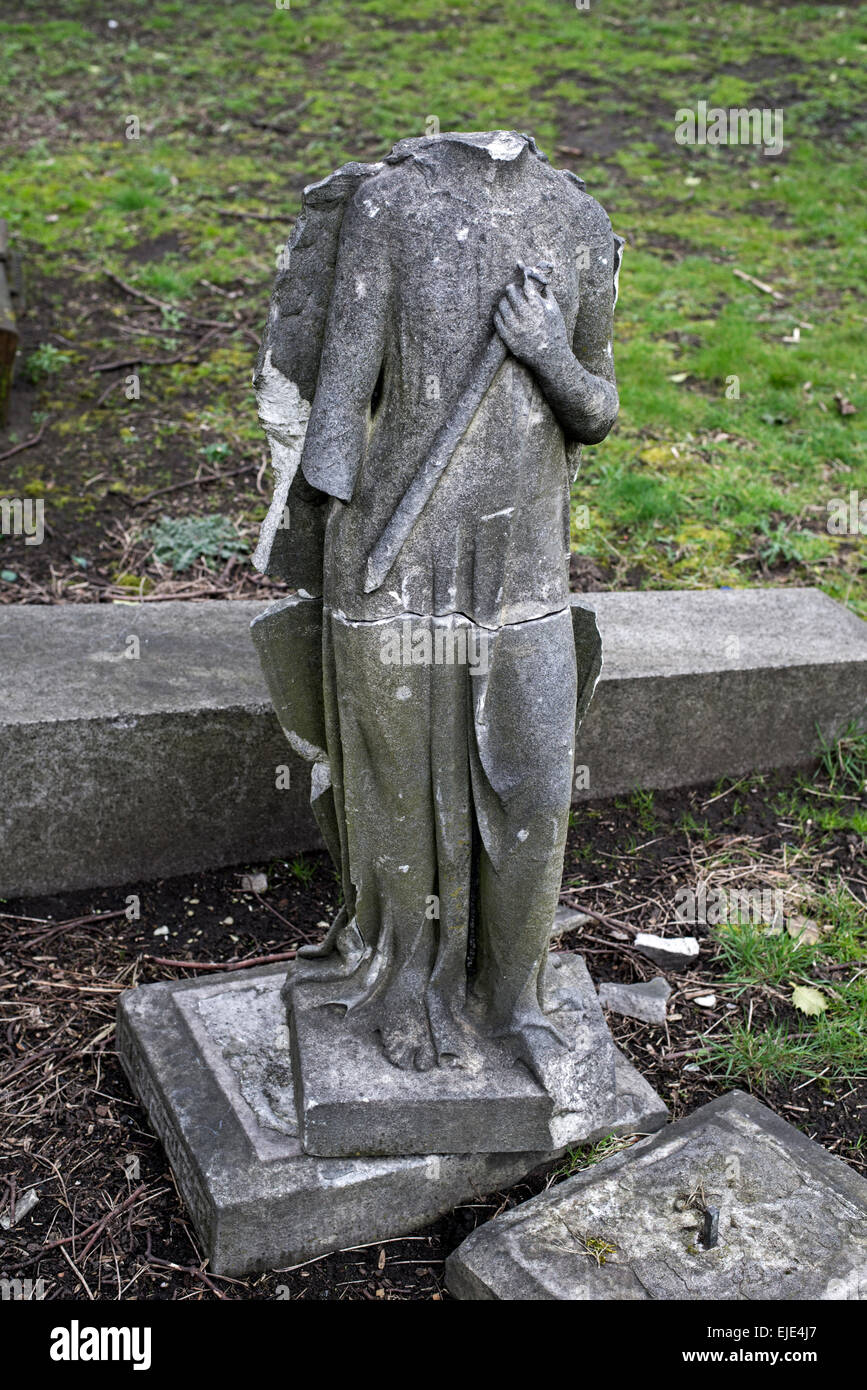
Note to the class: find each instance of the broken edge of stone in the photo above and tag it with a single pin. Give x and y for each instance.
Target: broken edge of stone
(252, 1215)
(473, 1270)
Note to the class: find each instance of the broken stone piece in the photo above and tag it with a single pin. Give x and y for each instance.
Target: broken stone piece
(787, 1220)
(671, 952)
(644, 1001)
(566, 919)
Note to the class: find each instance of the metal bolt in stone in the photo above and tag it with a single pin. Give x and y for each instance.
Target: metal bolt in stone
(710, 1227)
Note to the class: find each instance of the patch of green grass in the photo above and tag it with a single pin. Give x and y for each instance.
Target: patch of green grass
(688, 824)
(823, 947)
(837, 909)
(698, 485)
(575, 1160)
(771, 961)
(302, 869)
(841, 802)
(643, 806)
(844, 761)
(834, 1047)
(753, 956)
(45, 360)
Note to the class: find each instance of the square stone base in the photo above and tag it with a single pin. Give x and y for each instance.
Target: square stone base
(352, 1100)
(792, 1221)
(210, 1061)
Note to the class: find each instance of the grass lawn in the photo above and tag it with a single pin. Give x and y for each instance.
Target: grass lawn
(705, 480)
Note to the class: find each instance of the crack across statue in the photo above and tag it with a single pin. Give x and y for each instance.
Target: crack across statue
(449, 505)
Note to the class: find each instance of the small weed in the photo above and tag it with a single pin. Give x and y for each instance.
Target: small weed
(46, 360)
(643, 808)
(575, 1160)
(302, 869)
(690, 826)
(181, 541)
(780, 545)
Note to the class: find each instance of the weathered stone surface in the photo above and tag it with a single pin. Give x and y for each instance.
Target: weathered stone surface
(352, 1100)
(694, 684)
(452, 664)
(644, 1001)
(566, 919)
(792, 1221)
(670, 952)
(444, 785)
(210, 1061)
(117, 770)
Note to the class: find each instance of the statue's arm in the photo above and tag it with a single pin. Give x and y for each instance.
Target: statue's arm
(577, 378)
(352, 354)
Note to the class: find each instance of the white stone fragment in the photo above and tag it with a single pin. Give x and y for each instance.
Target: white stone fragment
(671, 952)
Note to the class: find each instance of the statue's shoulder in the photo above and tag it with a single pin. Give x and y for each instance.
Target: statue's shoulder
(589, 215)
(373, 199)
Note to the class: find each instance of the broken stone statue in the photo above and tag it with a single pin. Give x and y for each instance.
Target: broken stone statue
(731, 1202)
(439, 346)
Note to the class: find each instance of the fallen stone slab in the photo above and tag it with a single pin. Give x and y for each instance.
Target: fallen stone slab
(700, 684)
(644, 1001)
(791, 1221)
(138, 740)
(671, 952)
(210, 1062)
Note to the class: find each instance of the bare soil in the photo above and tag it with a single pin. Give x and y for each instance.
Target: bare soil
(109, 1223)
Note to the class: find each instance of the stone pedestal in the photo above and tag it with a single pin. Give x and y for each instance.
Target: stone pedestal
(210, 1061)
(352, 1100)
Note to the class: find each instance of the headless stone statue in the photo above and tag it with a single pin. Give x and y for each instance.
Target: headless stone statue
(438, 348)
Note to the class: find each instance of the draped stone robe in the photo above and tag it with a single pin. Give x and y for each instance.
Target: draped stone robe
(451, 780)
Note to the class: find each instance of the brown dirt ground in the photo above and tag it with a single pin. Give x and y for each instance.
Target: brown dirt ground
(72, 1128)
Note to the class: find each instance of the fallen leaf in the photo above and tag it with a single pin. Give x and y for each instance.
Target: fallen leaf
(845, 407)
(810, 1001)
(803, 930)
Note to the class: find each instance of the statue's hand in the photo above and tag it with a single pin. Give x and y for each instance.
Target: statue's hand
(532, 327)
